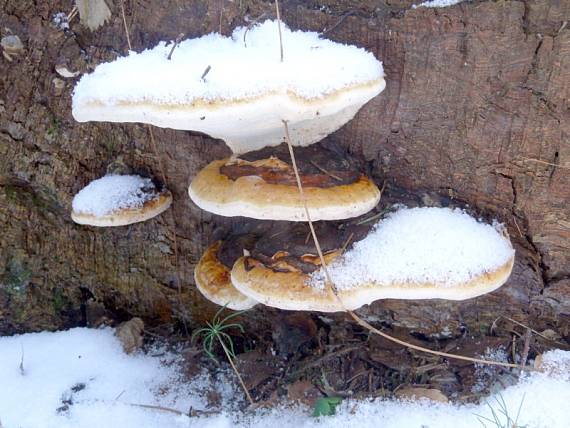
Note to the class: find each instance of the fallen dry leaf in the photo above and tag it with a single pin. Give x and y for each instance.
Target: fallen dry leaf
(130, 334)
(415, 393)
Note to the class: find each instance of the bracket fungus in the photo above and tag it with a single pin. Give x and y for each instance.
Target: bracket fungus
(261, 185)
(213, 278)
(419, 253)
(247, 92)
(118, 200)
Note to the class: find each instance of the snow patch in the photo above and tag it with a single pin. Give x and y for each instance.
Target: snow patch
(81, 378)
(437, 3)
(313, 67)
(486, 373)
(60, 20)
(422, 245)
(112, 193)
(88, 370)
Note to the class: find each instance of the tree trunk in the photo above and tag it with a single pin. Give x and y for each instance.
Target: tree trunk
(476, 112)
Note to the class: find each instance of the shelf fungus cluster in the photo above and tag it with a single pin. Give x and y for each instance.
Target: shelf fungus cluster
(318, 87)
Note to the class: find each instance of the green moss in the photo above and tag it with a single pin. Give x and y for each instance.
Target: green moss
(27, 196)
(59, 300)
(16, 279)
(11, 193)
(111, 145)
(54, 128)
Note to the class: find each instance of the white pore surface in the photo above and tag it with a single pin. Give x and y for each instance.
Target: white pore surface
(437, 3)
(247, 92)
(56, 362)
(422, 245)
(112, 193)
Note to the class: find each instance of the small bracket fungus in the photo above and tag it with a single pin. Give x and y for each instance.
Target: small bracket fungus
(248, 91)
(262, 185)
(118, 200)
(213, 280)
(419, 253)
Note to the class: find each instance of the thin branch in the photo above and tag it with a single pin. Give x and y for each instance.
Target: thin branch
(545, 163)
(176, 43)
(221, 16)
(205, 73)
(534, 331)
(526, 346)
(22, 371)
(72, 14)
(518, 228)
(161, 408)
(236, 372)
(251, 24)
(340, 21)
(324, 171)
(345, 245)
(125, 24)
(319, 361)
(279, 28)
(332, 287)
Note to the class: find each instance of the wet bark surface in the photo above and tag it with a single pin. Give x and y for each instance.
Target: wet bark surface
(476, 113)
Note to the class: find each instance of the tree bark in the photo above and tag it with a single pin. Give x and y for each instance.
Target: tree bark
(476, 113)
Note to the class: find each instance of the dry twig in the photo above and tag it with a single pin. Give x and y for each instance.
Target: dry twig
(251, 24)
(22, 371)
(532, 330)
(526, 346)
(324, 171)
(279, 28)
(125, 24)
(205, 73)
(176, 43)
(74, 12)
(545, 162)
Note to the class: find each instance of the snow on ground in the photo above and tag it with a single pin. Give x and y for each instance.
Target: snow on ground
(88, 370)
(236, 70)
(422, 245)
(112, 193)
(437, 3)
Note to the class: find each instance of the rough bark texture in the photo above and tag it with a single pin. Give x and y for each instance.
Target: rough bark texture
(477, 94)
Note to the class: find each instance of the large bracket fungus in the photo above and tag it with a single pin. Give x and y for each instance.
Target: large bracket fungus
(236, 88)
(262, 185)
(420, 253)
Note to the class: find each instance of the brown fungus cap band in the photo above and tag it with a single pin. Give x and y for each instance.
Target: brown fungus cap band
(320, 165)
(282, 275)
(262, 185)
(280, 246)
(289, 246)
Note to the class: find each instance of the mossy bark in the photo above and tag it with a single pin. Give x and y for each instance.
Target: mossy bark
(476, 112)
